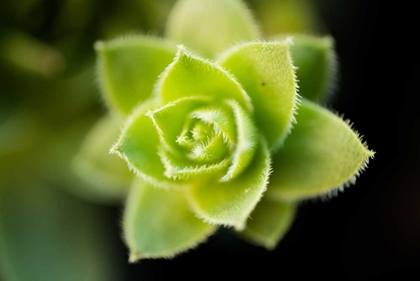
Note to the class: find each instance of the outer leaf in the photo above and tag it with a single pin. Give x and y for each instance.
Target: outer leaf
(286, 16)
(107, 175)
(192, 76)
(138, 145)
(266, 73)
(158, 223)
(269, 222)
(321, 154)
(316, 64)
(129, 67)
(210, 26)
(230, 203)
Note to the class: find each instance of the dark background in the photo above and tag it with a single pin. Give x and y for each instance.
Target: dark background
(369, 232)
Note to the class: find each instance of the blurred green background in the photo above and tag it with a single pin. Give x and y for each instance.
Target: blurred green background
(52, 227)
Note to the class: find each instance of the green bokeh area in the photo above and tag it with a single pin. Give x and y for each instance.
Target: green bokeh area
(47, 234)
(50, 227)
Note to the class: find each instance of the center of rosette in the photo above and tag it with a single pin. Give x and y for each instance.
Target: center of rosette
(196, 137)
(202, 139)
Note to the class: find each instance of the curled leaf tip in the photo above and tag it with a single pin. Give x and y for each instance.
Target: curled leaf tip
(181, 48)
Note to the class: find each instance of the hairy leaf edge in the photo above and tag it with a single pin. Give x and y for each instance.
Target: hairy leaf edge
(287, 41)
(182, 51)
(131, 39)
(333, 192)
(115, 149)
(136, 256)
(238, 225)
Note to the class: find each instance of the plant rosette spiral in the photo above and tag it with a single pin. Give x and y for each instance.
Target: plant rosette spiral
(214, 130)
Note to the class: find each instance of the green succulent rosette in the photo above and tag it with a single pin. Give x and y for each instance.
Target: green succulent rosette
(214, 131)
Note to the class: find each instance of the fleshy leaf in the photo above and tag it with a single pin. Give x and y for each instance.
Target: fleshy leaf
(316, 61)
(246, 142)
(129, 67)
(269, 222)
(210, 26)
(139, 145)
(286, 16)
(158, 223)
(266, 73)
(322, 153)
(190, 76)
(230, 203)
(107, 174)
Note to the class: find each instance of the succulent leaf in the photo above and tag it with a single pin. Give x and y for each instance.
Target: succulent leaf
(190, 75)
(265, 71)
(210, 26)
(230, 203)
(107, 174)
(159, 224)
(316, 66)
(269, 222)
(246, 142)
(321, 154)
(139, 146)
(129, 67)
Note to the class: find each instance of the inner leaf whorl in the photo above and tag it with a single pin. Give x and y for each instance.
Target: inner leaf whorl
(202, 139)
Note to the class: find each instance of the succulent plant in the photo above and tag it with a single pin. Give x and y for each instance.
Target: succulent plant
(220, 128)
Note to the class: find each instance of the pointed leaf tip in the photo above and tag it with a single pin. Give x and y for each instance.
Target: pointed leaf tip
(139, 144)
(188, 73)
(321, 154)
